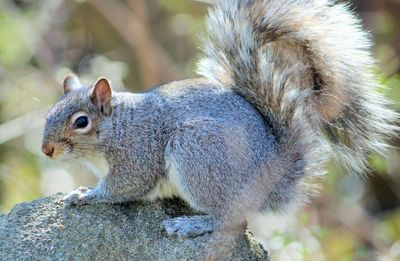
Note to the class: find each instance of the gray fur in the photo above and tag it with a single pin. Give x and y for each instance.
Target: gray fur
(250, 136)
(254, 44)
(190, 226)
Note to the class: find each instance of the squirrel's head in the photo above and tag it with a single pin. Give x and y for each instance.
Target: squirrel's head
(73, 124)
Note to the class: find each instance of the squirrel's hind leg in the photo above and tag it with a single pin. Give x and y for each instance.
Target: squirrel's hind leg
(209, 167)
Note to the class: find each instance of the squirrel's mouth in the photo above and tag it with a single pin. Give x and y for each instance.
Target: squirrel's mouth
(54, 151)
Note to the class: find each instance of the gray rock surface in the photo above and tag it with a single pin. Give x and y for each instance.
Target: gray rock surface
(47, 230)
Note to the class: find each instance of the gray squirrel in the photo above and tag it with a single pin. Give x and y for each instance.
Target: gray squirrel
(287, 85)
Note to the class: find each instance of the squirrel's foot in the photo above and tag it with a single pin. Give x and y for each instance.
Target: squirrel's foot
(190, 226)
(76, 197)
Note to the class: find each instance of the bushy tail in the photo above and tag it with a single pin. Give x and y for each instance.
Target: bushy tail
(306, 65)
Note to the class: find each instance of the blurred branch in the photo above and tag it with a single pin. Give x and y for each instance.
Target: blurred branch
(205, 1)
(157, 65)
(34, 33)
(21, 125)
(139, 9)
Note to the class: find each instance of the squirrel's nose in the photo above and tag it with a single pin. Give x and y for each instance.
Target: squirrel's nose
(48, 149)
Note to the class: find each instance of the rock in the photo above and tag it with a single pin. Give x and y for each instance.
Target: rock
(45, 229)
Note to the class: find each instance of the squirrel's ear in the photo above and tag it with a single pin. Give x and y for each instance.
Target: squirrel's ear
(71, 83)
(101, 96)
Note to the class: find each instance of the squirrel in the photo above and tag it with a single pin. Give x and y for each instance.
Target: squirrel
(286, 85)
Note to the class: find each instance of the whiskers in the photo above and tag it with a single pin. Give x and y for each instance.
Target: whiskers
(81, 149)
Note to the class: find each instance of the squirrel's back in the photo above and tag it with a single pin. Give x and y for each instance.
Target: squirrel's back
(170, 106)
(189, 99)
(193, 100)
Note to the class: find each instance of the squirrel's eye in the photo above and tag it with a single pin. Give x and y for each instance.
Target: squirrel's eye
(81, 122)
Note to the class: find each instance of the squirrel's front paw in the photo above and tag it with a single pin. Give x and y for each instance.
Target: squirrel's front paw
(76, 197)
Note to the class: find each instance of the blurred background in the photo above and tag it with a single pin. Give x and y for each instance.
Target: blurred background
(138, 44)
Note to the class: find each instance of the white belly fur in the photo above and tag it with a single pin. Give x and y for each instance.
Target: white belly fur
(169, 187)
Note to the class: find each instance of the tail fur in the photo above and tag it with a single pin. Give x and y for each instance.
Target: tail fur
(306, 65)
